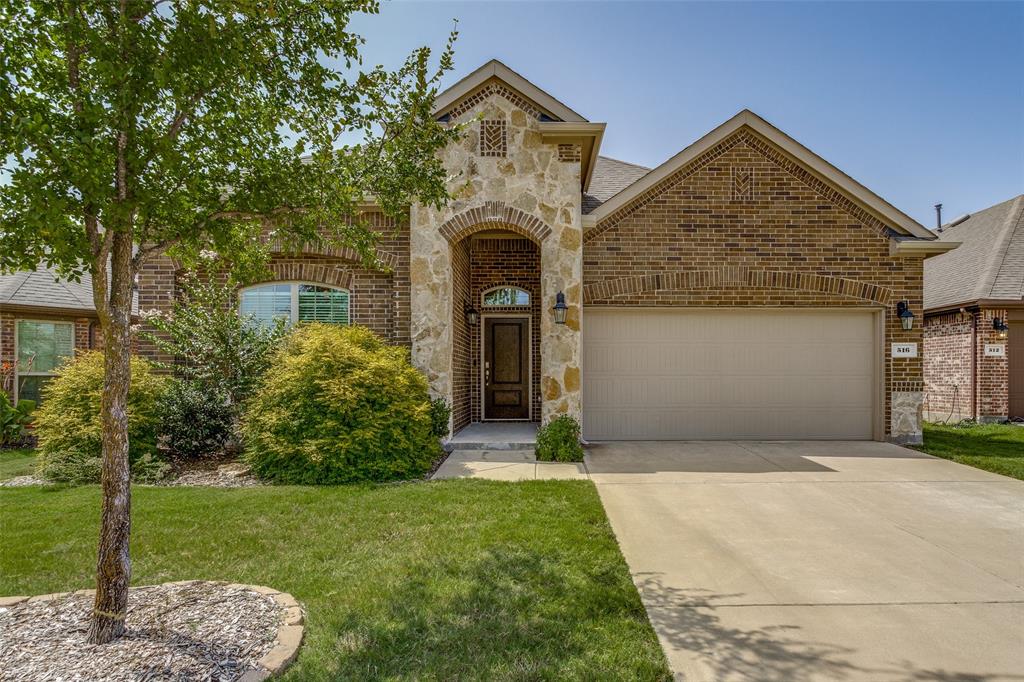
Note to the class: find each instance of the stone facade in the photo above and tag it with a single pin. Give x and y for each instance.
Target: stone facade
(742, 225)
(530, 191)
(961, 381)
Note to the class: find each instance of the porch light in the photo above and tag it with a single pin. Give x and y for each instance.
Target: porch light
(560, 308)
(472, 316)
(1000, 327)
(906, 317)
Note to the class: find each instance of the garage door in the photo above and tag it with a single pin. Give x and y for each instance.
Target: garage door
(678, 374)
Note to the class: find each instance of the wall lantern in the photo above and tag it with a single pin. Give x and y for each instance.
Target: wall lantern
(906, 317)
(560, 308)
(1000, 327)
(472, 316)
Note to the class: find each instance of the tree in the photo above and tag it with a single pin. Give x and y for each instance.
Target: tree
(132, 128)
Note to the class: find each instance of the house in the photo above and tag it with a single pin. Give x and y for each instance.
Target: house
(43, 319)
(974, 318)
(743, 289)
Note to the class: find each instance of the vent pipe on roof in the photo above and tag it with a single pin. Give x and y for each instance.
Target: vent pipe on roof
(957, 221)
(938, 217)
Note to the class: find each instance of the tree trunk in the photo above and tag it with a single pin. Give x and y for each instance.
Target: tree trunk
(113, 567)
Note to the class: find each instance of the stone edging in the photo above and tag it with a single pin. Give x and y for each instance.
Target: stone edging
(287, 641)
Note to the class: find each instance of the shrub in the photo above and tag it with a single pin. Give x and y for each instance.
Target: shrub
(559, 441)
(195, 420)
(440, 413)
(217, 348)
(68, 422)
(14, 419)
(339, 406)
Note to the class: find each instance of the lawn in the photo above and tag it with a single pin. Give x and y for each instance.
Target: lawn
(423, 581)
(993, 447)
(13, 463)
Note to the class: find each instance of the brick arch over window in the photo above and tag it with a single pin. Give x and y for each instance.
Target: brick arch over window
(730, 276)
(386, 259)
(312, 273)
(494, 214)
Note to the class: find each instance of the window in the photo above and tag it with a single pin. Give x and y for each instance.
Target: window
(294, 302)
(42, 347)
(506, 296)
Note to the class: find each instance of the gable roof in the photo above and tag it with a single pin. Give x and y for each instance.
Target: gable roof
(879, 207)
(42, 288)
(495, 69)
(610, 177)
(988, 265)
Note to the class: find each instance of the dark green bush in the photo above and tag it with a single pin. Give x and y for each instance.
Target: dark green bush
(196, 420)
(14, 419)
(339, 406)
(440, 413)
(68, 423)
(559, 441)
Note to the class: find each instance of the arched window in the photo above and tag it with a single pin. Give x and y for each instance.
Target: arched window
(506, 296)
(294, 302)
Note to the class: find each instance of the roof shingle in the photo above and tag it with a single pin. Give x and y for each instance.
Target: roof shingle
(610, 177)
(989, 264)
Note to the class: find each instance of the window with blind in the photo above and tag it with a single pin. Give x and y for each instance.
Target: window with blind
(41, 348)
(294, 302)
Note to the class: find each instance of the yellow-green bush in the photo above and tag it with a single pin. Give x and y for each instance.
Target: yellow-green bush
(338, 406)
(68, 422)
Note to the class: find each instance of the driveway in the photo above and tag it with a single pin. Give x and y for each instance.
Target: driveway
(820, 560)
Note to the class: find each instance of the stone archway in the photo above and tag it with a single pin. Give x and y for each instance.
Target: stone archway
(490, 215)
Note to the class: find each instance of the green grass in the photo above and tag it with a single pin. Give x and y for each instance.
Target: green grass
(425, 581)
(20, 462)
(998, 448)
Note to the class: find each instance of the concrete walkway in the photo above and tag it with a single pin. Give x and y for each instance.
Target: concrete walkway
(820, 561)
(507, 465)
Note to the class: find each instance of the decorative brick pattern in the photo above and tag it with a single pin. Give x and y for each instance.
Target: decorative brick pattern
(494, 214)
(734, 276)
(479, 96)
(796, 242)
(768, 152)
(742, 183)
(570, 153)
(493, 138)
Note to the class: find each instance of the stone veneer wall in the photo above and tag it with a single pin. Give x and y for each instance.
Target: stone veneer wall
(744, 226)
(530, 191)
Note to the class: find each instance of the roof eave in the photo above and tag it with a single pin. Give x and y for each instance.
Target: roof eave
(587, 135)
(919, 248)
(880, 208)
(495, 69)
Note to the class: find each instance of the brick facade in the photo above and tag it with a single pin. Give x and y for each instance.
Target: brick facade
(961, 381)
(86, 335)
(742, 225)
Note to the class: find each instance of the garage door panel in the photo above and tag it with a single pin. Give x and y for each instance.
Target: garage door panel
(686, 374)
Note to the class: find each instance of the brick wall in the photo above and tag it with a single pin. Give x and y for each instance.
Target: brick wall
(948, 344)
(462, 361)
(83, 339)
(744, 226)
(380, 299)
(512, 262)
(953, 356)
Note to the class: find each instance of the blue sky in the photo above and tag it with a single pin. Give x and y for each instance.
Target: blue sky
(921, 102)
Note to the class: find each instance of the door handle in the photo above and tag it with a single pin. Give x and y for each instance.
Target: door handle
(487, 374)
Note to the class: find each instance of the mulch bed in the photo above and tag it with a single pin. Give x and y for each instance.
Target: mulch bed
(178, 631)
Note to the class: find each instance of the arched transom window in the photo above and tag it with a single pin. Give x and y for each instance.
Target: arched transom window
(506, 296)
(294, 302)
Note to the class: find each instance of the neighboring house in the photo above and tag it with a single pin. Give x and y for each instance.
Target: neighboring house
(974, 318)
(43, 320)
(745, 288)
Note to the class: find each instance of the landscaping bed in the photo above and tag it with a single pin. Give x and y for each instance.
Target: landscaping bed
(998, 448)
(182, 631)
(471, 580)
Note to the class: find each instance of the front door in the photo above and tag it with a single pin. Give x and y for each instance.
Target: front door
(506, 368)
